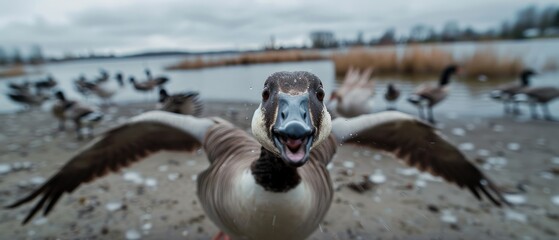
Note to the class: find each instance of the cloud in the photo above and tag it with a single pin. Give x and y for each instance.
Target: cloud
(134, 25)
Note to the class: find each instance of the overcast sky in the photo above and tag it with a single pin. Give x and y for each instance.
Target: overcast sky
(129, 26)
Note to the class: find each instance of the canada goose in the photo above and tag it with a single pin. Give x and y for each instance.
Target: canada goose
(83, 115)
(24, 86)
(28, 99)
(355, 96)
(148, 85)
(540, 95)
(427, 96)
(47, 84)
(101, 89)
(391, 95)
(506, 93)
(279, 174)
(187, 103)
(119, 79)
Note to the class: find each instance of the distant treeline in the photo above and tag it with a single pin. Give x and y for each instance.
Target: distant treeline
(529, 22)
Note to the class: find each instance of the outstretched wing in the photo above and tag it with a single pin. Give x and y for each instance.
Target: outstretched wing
(143, 135)
(419, 145)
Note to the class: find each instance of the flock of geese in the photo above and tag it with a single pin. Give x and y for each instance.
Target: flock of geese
(85, 115)
(354, 97)
(275, 180)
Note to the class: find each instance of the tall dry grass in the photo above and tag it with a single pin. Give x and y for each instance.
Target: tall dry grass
(485, 61)
(427, 60)
(361, 58)
(250, 58)
(12, 72)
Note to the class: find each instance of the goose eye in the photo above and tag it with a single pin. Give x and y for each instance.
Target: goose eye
(320, 95)
(265, 95)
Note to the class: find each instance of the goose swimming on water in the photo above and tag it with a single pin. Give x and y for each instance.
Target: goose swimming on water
(279, 174)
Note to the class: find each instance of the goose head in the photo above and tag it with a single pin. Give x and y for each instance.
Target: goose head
(132, 80)
(292, 117)
(447, 72)
(525, 76)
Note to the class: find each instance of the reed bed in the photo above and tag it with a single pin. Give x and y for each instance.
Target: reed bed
(12, 72)
(427, 60)
(487, 62)
(250, 58)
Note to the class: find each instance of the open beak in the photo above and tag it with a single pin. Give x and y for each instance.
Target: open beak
(292, 131)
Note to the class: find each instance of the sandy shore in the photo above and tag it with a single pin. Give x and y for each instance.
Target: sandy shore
(156, 199)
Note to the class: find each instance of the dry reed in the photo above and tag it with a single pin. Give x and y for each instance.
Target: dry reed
(250, 58)
(12, 72)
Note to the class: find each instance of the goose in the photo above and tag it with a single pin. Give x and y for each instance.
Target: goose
(120, 79)
(84, 116)
(428, 96)
(540, 95)
(148, 85)
(187, 103)
(47, 84)
(278, 175)
(101, 89)
(28, 99)
(24, 86)
(391, 96)
(355, 96)
(161, 79)
(506, 93)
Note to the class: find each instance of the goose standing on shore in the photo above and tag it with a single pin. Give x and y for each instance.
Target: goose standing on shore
(355, 96)
(148, 85)
(540, 95)
(187, 103)
(506, 93)
(84, 116)
(46, 84)
(428, 96)
(274, 185)
(391, 96)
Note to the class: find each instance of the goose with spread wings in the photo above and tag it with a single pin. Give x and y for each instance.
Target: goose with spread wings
(279, 173)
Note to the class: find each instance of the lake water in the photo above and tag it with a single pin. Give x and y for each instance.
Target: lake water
(244, 83)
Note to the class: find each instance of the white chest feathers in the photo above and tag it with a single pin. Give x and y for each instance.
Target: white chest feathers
(261, 214)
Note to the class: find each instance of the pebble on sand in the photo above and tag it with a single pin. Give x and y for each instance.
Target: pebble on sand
(448, 217)
(458, 131)
(466, 146)
(113, 206)
(555, 200)
(515, 198)
(132, 234)
(5, 168)
(378, 177)
(133, 177)
(349, 164)
(513, 146)
(515, 216)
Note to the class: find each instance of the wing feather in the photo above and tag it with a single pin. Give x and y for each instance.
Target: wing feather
(143, 135)
(419, 145)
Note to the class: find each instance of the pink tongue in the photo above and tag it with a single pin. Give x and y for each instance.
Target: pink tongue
(294, 144)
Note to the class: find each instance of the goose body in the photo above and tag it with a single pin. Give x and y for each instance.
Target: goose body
(355, 96)
(27, 98)
(273, 184)
(187, 103)
(83, 115)
(427, 96)
(149, 84)
(542, 95)
(506, 93)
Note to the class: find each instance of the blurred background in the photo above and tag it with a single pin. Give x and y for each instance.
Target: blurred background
(225, 50)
